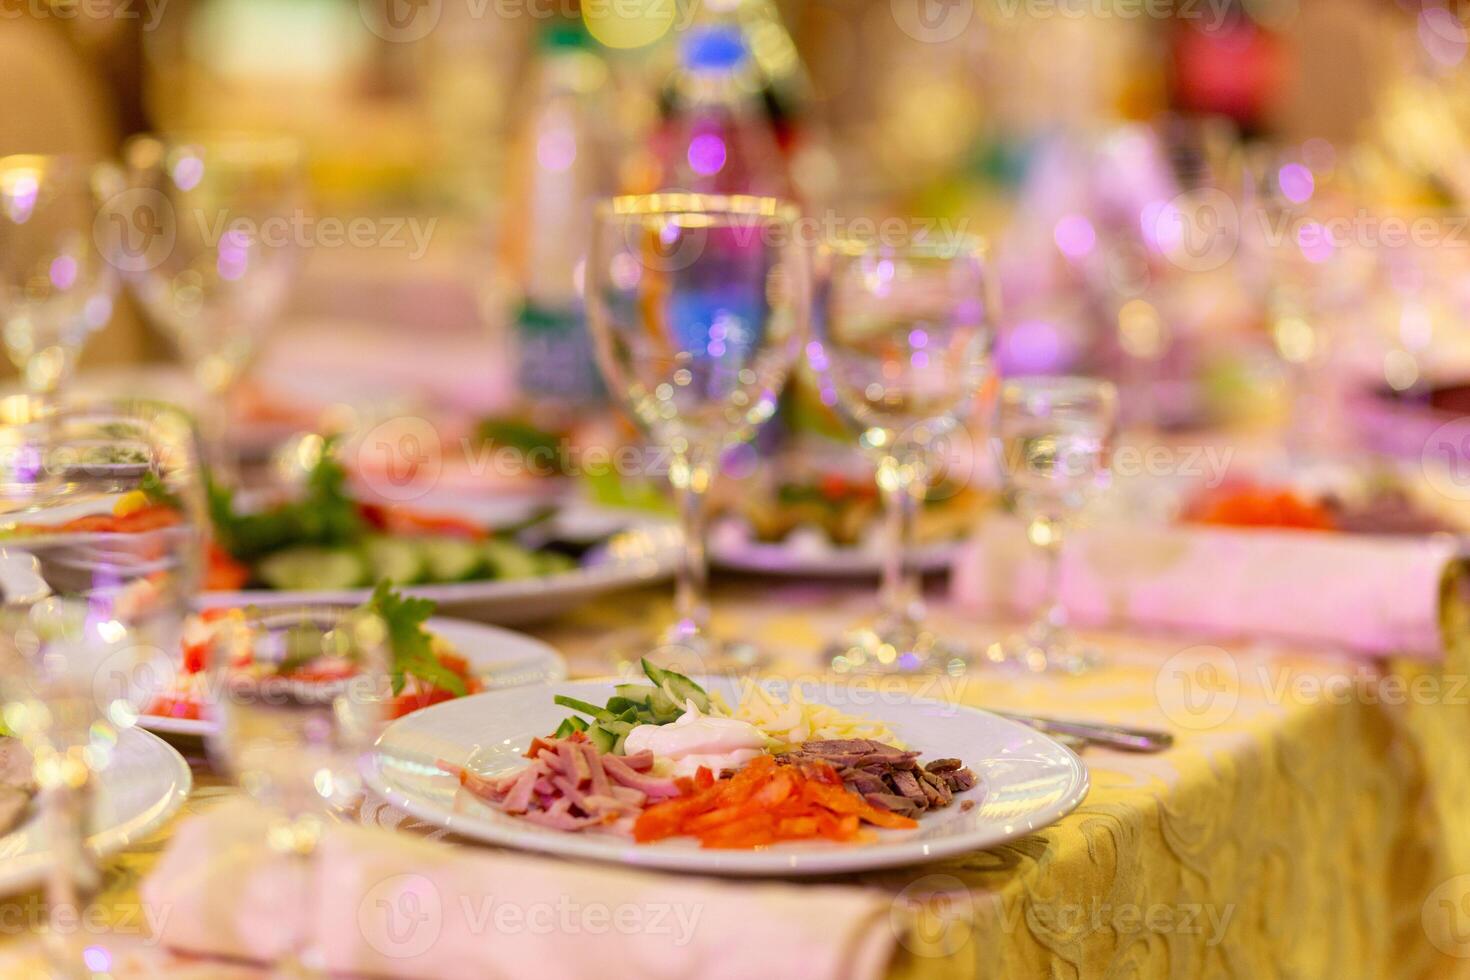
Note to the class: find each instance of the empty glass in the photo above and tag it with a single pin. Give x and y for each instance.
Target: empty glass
(209, 231)
(56, 288)
(904, 351)
(102, 544)
(1054, 437)
(698, 306)
(294, 727)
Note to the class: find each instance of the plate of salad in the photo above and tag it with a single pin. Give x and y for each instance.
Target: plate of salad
(725, 775)
(831, 525)
(434, 660)
(322, 544)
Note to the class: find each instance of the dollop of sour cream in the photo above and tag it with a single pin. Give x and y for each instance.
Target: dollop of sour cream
(696, 739)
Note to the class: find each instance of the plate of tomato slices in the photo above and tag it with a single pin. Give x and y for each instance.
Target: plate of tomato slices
(509, 768)
(482, 658)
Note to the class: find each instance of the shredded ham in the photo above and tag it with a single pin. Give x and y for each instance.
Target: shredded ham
(569, 785)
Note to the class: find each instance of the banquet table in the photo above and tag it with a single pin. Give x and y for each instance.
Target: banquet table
(1309, 822)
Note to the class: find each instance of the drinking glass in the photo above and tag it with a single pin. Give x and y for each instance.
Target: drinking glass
(904, 349)
(56, 288)
(294, 727)
(102, 519)
(209, 233)
(1054, 436)
(698, 306)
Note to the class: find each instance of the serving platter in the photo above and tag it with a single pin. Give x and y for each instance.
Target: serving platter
(499, 657)
(806, 552)
(1027, 780)
(142, 787)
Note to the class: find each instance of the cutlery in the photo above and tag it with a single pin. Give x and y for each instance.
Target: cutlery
(1094, 733)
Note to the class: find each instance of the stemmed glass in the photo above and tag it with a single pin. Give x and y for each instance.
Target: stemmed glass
(208, 233)
(698, 306)
(56, 288)
(1054, 436)
(295, 726)
(904, 348)
(102, 519)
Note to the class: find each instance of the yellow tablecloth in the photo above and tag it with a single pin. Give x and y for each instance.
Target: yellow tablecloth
(1313, 820)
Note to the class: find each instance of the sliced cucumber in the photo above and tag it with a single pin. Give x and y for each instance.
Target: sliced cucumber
(601, 714)
(569, 725)
(681, 687)
(618, 705)
(652, 701)
(553, 562)
(602, 739)
(399, 560)
(452, 559)
(509, 560)
(636, 693)
(312, 569)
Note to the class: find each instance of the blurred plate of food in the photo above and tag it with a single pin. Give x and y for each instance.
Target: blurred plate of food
(832, 525)
(142, 786)
(433, 659)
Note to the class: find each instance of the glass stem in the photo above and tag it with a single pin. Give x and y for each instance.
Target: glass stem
(1051, 621)
(898, 595)
(691, 601)
(296, 838)
(214, 427)
(73, 879)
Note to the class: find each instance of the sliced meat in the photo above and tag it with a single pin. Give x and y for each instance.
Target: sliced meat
(944, 765)
(901, 805)
(886, 775)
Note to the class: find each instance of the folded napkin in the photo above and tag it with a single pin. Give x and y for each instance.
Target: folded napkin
(385, 904)
(1370, 594)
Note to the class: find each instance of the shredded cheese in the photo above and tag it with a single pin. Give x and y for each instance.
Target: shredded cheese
(789, 723)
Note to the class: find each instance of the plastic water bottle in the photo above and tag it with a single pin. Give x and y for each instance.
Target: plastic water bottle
(563, 165)
(719, 138)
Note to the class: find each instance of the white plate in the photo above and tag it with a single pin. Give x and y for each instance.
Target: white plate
(146, 784)
(645, 552)
(807, 551)
(500, 657)
(1026, 781)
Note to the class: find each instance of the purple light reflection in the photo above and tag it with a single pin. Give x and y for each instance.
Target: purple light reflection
(1296, 182)
(707, 154)
(63, 272)
(1075, 236)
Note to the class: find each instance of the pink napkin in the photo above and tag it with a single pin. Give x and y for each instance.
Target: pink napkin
(1365, 593)
(385, 904)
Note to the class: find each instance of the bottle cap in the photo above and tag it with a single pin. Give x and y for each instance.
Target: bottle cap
(713, 48)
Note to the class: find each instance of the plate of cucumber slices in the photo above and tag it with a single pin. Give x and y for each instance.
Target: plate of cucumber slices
(487, 576)
(475, 558)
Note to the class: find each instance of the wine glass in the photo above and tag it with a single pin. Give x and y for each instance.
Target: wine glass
(208, 232)
(56, 289)
(904, 349)
(292, 723)
(1054, 437)
(102, 522)
(698, 306)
